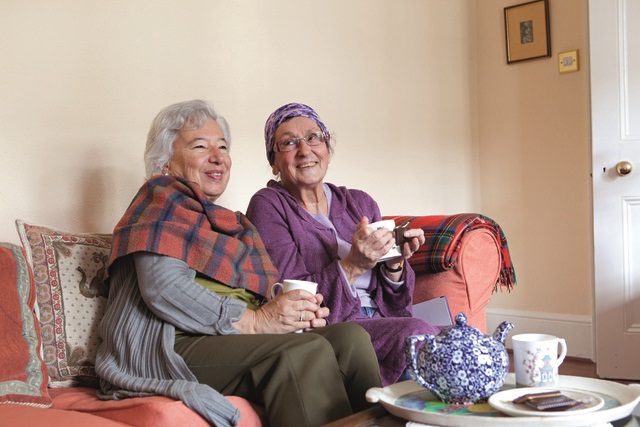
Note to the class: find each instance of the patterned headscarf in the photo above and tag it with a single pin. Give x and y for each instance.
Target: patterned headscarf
(281, 115)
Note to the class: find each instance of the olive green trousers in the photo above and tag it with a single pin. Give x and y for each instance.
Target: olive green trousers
(301, 379)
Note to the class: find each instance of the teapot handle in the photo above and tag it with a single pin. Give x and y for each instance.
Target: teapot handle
(411, 356)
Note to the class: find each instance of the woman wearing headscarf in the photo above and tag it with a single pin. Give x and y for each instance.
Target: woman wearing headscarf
(188, 315)
(318, 231)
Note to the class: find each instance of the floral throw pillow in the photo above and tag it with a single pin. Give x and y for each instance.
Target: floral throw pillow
(68, 270)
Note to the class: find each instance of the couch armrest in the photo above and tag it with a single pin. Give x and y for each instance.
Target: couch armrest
(444, 235)
(469, 284)
(465, 258)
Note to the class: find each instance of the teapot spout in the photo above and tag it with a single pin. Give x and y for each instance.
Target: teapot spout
(500, 334)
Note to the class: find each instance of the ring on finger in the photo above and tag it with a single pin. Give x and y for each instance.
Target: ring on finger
(301, 316)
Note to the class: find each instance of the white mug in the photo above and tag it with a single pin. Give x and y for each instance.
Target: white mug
(390, 225)
(291, 285)
(536, 359)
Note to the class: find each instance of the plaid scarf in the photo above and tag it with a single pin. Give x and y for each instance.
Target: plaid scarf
(443, 237)
(172, 217)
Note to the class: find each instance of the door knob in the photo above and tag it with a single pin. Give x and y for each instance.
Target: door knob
(624, 168)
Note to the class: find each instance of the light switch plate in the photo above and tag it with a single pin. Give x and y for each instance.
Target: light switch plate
(568, 61)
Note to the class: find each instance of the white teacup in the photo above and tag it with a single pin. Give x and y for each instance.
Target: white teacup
(390, 225)
(291, 285)
(536, 359)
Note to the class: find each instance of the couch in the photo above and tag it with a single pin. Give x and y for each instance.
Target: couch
(52, 298)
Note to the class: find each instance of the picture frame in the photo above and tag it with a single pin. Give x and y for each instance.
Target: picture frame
(527, 31)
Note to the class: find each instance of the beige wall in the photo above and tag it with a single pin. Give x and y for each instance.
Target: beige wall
(534, 132)
(81, 81)
(427, 116)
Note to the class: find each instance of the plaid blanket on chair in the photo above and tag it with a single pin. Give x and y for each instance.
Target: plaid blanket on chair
(443, 236)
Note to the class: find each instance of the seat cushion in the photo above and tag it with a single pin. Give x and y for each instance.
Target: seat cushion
(29, 416)
(149, 411)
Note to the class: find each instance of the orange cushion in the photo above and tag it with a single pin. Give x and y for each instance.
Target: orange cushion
(149, 411)
(29, 416)
(23, 375)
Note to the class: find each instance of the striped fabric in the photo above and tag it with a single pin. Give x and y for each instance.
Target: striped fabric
(137, 359)
(443, 237)
(170, 216)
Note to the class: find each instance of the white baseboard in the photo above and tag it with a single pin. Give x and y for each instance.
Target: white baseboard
(577, 330)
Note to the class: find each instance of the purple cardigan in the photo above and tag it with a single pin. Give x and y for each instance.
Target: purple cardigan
(302, 248)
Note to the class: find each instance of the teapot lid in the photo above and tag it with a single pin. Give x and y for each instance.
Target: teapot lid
(461, 330)
(461, 319)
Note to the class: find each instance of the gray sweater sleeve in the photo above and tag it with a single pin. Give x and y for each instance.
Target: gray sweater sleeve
(168, 287)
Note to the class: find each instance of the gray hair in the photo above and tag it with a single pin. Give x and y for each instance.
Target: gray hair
(169, 122)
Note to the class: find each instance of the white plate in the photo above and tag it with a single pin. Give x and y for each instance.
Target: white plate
(503, 401)
(404, 400)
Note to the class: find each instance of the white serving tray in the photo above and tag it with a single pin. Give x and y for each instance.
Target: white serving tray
(620, 401)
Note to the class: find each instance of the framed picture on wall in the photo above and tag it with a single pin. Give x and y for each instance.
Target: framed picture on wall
(527, 33)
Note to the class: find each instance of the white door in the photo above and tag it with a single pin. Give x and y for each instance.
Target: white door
(615, 98)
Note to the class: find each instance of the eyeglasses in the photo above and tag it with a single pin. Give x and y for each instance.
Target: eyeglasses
(311, 140)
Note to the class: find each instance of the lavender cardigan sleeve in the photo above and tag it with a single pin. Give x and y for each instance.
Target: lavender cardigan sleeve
(302, 248)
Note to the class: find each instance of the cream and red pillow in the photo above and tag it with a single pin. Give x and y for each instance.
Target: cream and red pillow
(23, 375)
(68, 270)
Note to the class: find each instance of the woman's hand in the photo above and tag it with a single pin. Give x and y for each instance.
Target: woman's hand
(414, 238)
(288, 312)
(367, 246)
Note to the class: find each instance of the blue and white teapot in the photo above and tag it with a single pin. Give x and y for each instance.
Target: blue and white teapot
(461, 365)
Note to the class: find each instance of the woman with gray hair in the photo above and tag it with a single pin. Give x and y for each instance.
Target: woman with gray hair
(165, 130)
(188, 314)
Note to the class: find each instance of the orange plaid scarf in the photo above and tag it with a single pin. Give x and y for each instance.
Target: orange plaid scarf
(170, 216)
